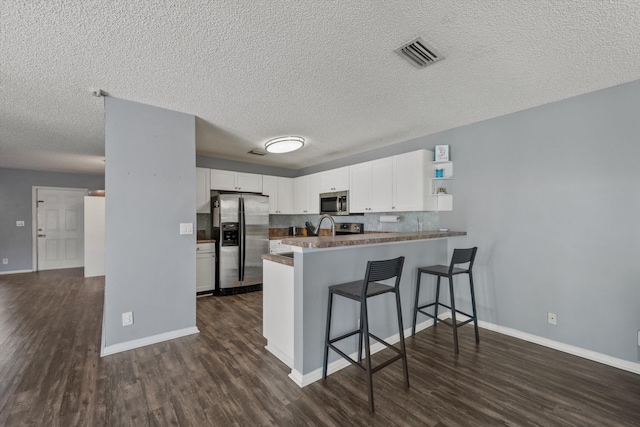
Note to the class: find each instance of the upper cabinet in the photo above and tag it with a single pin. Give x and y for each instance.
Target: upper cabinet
(203, 190)
(236, 181)
(406, 182)
(306, 192)
(411, 183)
(334, 180)
(415, 186)
(280, 192)
(371, 186)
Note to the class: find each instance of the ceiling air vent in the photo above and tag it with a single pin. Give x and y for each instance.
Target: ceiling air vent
(419, 53)
(258, 152)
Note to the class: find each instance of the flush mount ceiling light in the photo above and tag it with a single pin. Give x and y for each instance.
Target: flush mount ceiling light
(284, 144)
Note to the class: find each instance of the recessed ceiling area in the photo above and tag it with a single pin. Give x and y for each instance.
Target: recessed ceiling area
(252, 71)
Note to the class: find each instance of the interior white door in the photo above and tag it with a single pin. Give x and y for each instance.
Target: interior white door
(60, 222)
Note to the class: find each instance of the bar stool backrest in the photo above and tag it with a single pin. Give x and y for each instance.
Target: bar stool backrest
(378, 271)
(463, 256)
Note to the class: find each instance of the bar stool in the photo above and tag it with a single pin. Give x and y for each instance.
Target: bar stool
(359, 291)
(460, 256)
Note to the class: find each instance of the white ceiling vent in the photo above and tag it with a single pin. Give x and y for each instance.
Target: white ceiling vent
(258, 152)
(419, 53)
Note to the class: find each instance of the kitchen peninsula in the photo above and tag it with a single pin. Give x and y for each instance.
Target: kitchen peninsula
(295, 292)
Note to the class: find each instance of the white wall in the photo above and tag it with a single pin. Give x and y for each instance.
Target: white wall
(150, 186)
(94, 236)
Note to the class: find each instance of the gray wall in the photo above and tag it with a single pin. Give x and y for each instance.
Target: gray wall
(348, 264)
(551, 197)
(150, 187)
(16, 204)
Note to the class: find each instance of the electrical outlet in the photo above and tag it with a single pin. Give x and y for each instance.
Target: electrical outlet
(5, 261)
(127, 318)
(19, 223)
(552, 318)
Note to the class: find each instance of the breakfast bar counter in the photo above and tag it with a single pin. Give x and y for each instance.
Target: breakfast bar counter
(295, 293)
(366, 239)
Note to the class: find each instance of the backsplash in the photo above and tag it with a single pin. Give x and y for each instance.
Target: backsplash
(204, 223)
(408, 221)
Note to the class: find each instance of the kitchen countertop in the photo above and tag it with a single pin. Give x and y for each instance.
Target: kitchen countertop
(280, 259)
(367, 239)
(205, 241)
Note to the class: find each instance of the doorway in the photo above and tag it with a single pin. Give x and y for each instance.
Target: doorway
(59, 228)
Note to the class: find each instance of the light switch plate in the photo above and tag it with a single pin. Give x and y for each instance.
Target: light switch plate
(186, 228)
(19, 223)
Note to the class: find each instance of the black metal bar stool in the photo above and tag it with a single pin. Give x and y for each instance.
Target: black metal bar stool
(361, 290)
(460, 256)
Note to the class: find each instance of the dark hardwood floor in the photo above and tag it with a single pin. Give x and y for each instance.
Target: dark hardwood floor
(51, 373)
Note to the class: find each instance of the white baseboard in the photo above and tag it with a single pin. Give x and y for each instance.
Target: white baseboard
(280, 355)
(336, 365)
(313, 376)
(141, 342)
(16, 272)
(566, 348)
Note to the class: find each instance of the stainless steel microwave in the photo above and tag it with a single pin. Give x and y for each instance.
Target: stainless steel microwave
(334, 203)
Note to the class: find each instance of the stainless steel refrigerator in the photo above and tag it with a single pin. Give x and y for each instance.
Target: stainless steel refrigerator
(241, 231)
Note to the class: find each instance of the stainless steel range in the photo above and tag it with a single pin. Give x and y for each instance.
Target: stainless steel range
(349, 228)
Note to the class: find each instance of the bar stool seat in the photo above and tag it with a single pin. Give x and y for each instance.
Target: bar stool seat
(460, 256)
(360, 290)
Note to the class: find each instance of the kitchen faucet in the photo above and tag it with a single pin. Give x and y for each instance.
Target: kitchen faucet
(333, 225)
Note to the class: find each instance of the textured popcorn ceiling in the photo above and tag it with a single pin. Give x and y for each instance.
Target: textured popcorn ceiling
(255, 69)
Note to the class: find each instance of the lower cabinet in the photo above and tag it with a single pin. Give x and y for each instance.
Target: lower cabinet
(205, 267)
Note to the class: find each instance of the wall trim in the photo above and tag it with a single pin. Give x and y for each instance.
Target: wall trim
(141, 342)
(313, 376)
(280, 355)
(565, 348)
(16, 272)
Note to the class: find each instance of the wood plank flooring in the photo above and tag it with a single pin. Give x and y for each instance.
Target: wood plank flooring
(51, 373)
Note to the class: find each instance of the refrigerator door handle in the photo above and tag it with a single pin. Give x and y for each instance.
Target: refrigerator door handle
(242, 238)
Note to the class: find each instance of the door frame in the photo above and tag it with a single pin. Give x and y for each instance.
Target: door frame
(34, 219)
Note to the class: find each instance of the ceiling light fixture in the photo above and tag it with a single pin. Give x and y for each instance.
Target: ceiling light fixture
(284, 144)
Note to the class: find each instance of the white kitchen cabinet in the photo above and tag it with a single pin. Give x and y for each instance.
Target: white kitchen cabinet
(371, 185)
(236, 181)
(205, 267)
(306, 194)
(203, 190)
(411, 182)
(280, 192)
(334, 180)
(405, 182)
